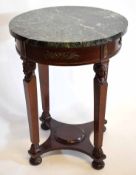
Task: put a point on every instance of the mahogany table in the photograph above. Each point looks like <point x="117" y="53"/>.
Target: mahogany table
<point x="66" y="36"/>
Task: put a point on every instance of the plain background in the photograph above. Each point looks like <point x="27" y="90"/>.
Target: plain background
<point x="71" y="97"/>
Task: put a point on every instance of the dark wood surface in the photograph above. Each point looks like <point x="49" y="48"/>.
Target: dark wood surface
<point x="67" y="56"/>
<point x="32" y="112"/>
<point x="84" y="145"/>
<point x="32" y="109"/>
<point x="65" y="136"/>
<point x="44" y="85"/>
<point x="100" y="93"/>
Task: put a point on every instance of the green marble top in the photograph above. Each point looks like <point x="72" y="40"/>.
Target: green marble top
<point x="69" y="26"/>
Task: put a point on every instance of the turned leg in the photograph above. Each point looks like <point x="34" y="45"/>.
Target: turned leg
<point x="32" y="110"/>
<point x="44" y="85"/>
<point x="100" y="92"/>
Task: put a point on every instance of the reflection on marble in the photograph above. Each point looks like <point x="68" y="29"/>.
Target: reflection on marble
<point x="69" y="26"/>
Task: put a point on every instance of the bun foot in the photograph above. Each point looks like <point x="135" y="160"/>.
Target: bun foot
<point x="44" y="126"/>
<point x="98" y="165"/>
<point x="98" y="156"/>
<point x="45" y="119"/>
<point x="34" y="152"/>
<point x="35" y="161"/>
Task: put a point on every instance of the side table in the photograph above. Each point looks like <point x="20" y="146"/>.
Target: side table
<point x="66" y="36"/>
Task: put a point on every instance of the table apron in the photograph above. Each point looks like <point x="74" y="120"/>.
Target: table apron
<point x="67" y="56"/>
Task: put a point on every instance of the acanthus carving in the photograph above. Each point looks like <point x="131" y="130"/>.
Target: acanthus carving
<point x="101" y="70"/>
<point x="28" y="69"/>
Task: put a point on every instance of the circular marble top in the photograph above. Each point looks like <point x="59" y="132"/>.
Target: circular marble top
<point x="69" y="26"/>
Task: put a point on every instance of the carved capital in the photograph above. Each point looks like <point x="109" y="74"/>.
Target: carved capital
<point x="101" y="70"/>
<point x="28" y="69"/>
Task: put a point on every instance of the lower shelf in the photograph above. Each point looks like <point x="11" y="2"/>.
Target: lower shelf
<point x="67" y="136"/>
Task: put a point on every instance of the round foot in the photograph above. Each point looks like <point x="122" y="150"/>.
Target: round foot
<point x="35" y="161"/>
<point x="44" y="126"/>
<point x="98" y="164"/>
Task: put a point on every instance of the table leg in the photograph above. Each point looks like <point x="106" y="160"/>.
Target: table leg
<point x="100" y="93"/>
<point x="44" y="85"/>
<point x="32" y="110"/>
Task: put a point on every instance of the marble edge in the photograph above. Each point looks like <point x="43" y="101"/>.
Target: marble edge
<point x="67" y="44"/>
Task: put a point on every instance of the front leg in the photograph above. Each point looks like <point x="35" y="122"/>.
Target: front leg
<point x="100" y="93"/>
<point x="32" y="110"/>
